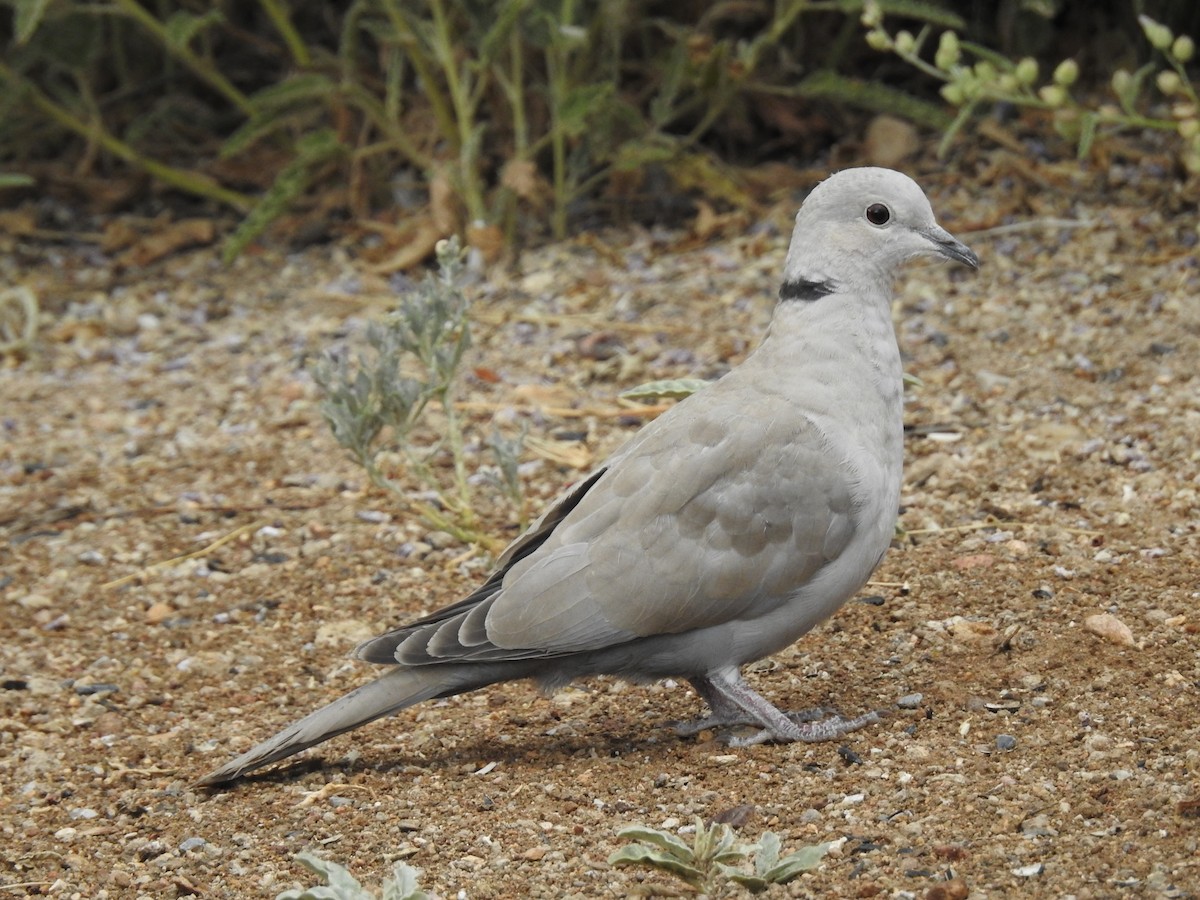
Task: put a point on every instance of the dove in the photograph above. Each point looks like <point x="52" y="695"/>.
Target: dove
<point x="723" y="530"/>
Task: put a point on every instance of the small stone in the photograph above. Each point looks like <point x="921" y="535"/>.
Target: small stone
<point x="1109" y="628"/>
<point x="158" y="613"/>
<point x="1005" y="742"/>
<point x="1029" y="871"/>
<point x="889" y="141"/>
<point x="974" y="561"/>
<point x="86" y="690"/>
<point x="533" y="854"/>
<point x="83" y="813"/>
<point x="192" y="843"/>
<point x="910" y="701"/>
<point x="441" y="540"/>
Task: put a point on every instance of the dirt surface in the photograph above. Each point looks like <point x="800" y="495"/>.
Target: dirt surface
<point x="187" y="558"/>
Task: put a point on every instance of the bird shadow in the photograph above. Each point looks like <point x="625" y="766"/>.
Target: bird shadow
<point x="531" y="748"/>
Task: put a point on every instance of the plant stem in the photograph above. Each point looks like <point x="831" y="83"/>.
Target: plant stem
<point x="191" y="182"/>
<point x="277" y="11"/>
<point x="420" y="63"/>
<point x="465" y="105"/>
<point x="199" y="66"/>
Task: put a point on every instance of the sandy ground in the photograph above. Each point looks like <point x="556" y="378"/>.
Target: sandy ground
<point x="1053" y="477"/>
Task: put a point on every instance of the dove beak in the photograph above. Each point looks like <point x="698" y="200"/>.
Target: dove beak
<point x="950" y="247"/>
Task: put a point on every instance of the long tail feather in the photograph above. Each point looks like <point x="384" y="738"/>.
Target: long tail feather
<point x="398" y="689"/>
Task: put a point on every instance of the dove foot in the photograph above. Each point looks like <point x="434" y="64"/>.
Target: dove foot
<point x="734" y="703"/>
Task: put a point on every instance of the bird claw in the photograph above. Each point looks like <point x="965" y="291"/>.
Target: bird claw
<point x="691" y="727"/>
<point x="806" y="727"/>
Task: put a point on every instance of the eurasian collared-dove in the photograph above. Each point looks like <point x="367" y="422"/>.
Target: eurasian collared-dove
<point x="723" y="530"/>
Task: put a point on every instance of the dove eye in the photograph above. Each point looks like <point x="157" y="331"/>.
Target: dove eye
<point x="878" y="214"/>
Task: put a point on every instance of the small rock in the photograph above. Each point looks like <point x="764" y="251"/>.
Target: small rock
<point x="441" y="540"/>
<point x="192" y="843"/>
<point x="910" y="701"/>
<point x="158" y="613"/>
<point x="83" y="813"/>
<point x="86" y="690"/>
<point x="535" y="853"/>
<point x="1005" y="742"/>
<point x="1029" y="871"/>
<point x="889" y="141"/>
<point x="1109" y="628"/>
<point x="974" y="561"/>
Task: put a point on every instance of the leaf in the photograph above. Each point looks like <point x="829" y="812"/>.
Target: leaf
<point x="768" y="853"/>
<point x="703" y="173"/>
<point x="27" y="17"/>
<point x="293" y="90"/>
<point x="641" y="855"/>
<point x="924" y="12"/>
<point x="752" y="883"/>
<point x="870" y="95"/>
<point x="794" y="863"/>
<point x="403" y="884"/>
<point x="636" y="154"/>
<point x="16" y="179"/>
<point x="667" y="389"/>
<point x="1087" y="133"/>
<point x="181" y="27"/>
<point x="663" y="839"/>
<point x="341" y="885"/>
<point x="580" y="104"/>
<point x="292" y="181"/>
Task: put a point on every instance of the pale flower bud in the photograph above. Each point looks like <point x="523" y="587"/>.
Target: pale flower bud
<point x="1168" y="82"/>
<point x="1122" y="82"/>
<point x="879" y="40"/>
<point x="1053" y="95"/>
<point x="948" y="51"/>
<point x="1159" y="36"/>
<point x="953" y="93"/>
<point x="1067" y="73"/>
<point x="1027" y="71"/>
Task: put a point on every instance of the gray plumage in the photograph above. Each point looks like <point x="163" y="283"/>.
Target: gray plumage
<point x="723" y="530"/>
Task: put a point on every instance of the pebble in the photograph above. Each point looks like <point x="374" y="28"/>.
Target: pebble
<point x="158" y="613"/>
<point x="85" y="690"/>
<point x="1110" y="628"/>
<point x="1029" y="871"/>
<point x="83" y="813"/>
<point x="192" y="843"/>
<point x="1005" y="742"/>
<point x="910" y="701"/>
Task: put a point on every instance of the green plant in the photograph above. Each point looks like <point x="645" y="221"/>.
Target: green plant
<point x="341" y="885"/>
<point x="514" y="104"/>
<point x="713" y="859"/>
<point x="974" y="75"/>
<point x="374" y="407"/>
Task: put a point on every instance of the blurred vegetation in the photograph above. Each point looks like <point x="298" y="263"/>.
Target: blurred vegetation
<point x="497" y="116"/>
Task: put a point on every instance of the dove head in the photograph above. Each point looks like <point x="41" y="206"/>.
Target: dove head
<point x="861" y="224"/>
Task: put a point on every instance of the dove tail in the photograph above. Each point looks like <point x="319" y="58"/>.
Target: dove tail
<point x="390" y="693"/>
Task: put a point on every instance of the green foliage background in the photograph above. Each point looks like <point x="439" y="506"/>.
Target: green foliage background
<point x="524" y="110"/>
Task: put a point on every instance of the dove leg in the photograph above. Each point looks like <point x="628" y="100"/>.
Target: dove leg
<point x="722" y="711"/>
<point x="733" y="702"/>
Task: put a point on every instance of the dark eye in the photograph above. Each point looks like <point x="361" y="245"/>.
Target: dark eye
<point x="878" y="214"/>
